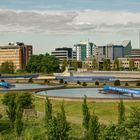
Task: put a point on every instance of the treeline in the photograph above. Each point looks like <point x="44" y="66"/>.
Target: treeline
<point x="57" y="127"/>
<point x="43" y="64"/>
<point x="37" y="64"/>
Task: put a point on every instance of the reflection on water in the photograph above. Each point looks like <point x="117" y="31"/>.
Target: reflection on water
<point x="80" y="92"/>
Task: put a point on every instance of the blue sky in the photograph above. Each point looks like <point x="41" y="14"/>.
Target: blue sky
<point x="57" y="23"/>
<point x="130" y="5"/>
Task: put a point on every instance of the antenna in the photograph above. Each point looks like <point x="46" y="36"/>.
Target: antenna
<point x="139" y="38"/>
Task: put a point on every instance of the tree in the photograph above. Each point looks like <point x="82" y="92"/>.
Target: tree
<point x="57" y="126"/>
<point x="110" y="133"/>
<point x="25" y="100"/>
<point x="18" y="121"/>
<point x="94" y="128"/>
<point x="42" y="63"/>
<point x="126" y="84"/>
<point x="10" y="101"/>
<point x="132" y="124"/>
<point x="131" y="65"/>
<point x="117" y="83"/>
<point x="106" y="64"/>
<point x="7" y="67"/>
<point x="94" y="64"/>
<point x="74" y="64"/>
<point x="121" y="65"/>
<point x="97" y="83"/>
<point x="64" y="65"/>
<point x="48" y="111"/>
<point x="121" y="112"/>
<point x="84" y="84"/>
<point x="63" y="126"/>
<point x="116" y="65"/>
<point x="86" y="114"/>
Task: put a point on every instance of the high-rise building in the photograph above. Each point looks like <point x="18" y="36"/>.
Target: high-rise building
<point x="18" y="53"/>
<point x="109" y="52"/>
<point x="114" y="51"/>
<point x="64" y="53"/>
<point x="127" y="47"/>
<point x="84" y="50"/>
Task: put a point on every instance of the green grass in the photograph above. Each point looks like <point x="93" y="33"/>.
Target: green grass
<point x="106" y="111"/>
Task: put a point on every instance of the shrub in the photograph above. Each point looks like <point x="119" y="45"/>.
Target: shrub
<point x="96" y="83"/>
<point x="126" y="84"/>
<point x="61" y="81"/>
<point x="84" y="84"/>
<point x="2" y="80"/>
<point x="30" y="80"/>
<point x="78" y="82"/>
<point x="117" y="83"/>
<point x="48" y="82"/>
<point x="0" y="116"/>
<point x="138" y="84"/>
<point x="104" y="84"/>
<point x="65" y="83"/>
<point x="45" y="81"/>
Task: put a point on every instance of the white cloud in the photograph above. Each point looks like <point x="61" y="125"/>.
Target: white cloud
<point x="68" y="22"/>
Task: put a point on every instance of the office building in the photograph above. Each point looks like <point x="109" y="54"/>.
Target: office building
<point x="110" y="51"/>
<point x="18" y="53"/>
<point x="84" y="50"/>
<point x="64" y="53"/>
<point x="135" y="53"/>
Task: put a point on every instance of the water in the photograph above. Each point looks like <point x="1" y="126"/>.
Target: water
<point x="26" y="86"/>
<point x="80" y="92"/>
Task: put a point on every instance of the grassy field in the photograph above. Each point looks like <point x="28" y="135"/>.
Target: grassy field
<point x="106" y="111"/>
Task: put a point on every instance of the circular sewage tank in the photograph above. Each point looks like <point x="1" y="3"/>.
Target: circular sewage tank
<point x="80" y="93"/>
<point x="65" y="93"/>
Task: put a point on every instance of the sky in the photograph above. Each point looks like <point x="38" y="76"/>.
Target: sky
<point x="48" y="24"/>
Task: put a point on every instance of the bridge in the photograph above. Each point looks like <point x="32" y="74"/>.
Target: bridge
<point x="122" y="90"/>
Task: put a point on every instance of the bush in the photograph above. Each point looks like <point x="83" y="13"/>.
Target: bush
<point x="96" y="83"/>
<point x="126" y="84"/>
<point x="65" y="83"/>
<point x="48" y="82"/>
<point x="117" y="83"/>
<point x="45" y="81"/>
<point x="30" y="80"/>
<point x="61" y="81"/>
<point x="78" y="82"/>
<point x="138" y="84"/>
<point x="104" y="84"/>
<point x="0" y="115"/>
<point x="84" y="84"/>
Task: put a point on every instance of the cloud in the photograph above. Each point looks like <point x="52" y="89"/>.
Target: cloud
<point x="68" y="22"/>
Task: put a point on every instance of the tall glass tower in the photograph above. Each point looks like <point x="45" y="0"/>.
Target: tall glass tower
<point x="84" y="50"/>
